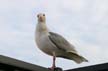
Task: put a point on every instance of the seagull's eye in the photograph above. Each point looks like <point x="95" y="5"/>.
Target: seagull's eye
<point x="37" y="15"/>
<point x="43" y="14"/>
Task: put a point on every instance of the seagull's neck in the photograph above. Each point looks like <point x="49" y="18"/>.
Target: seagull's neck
<point x="41" y="27"/>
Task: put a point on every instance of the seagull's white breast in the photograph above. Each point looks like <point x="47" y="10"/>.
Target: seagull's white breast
<point x="44" y="43"/>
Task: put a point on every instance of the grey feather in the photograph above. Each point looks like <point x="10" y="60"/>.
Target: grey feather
<point x="61" y="43"/>
<point x="64" y="45"/>
<point x="73" y="56"/>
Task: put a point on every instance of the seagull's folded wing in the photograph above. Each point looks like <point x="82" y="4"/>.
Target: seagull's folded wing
<point x="65" y="46"/>
<point x="61" y="43"/>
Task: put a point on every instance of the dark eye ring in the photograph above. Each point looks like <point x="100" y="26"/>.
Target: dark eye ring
<point x="43" y="14"/>
<point x="37" y="15"/>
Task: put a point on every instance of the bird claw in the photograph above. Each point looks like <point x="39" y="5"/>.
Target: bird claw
<point x="52" y="68"/>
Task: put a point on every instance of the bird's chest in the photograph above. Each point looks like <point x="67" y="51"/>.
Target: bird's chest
<point x="45" y="44"/>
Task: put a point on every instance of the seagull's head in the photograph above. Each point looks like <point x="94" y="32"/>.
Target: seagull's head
<point x="41" y="17"/>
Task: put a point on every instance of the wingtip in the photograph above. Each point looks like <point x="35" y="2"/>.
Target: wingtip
<point x="86" y="60"/>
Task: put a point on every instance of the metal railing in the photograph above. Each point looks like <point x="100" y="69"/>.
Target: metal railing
<point x="11" y="64"/>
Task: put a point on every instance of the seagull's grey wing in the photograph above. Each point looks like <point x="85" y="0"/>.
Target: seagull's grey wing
<point x="61" y="43"/>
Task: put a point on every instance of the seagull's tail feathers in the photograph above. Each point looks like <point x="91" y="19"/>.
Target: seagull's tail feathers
<point x="74" y="56"/>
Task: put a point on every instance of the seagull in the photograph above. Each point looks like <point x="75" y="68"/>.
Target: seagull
<point x="54" y="44"/>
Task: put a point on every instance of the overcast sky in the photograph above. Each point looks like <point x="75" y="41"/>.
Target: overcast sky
<point x="82" y="22"/>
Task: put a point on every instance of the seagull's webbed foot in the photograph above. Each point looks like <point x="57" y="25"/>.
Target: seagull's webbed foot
<point x="55" y="69"/>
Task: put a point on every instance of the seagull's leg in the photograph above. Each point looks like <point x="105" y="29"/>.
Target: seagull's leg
<point x="54" y="59"/>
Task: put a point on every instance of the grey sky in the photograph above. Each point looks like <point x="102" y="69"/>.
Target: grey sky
<point x="82" y="22"/>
